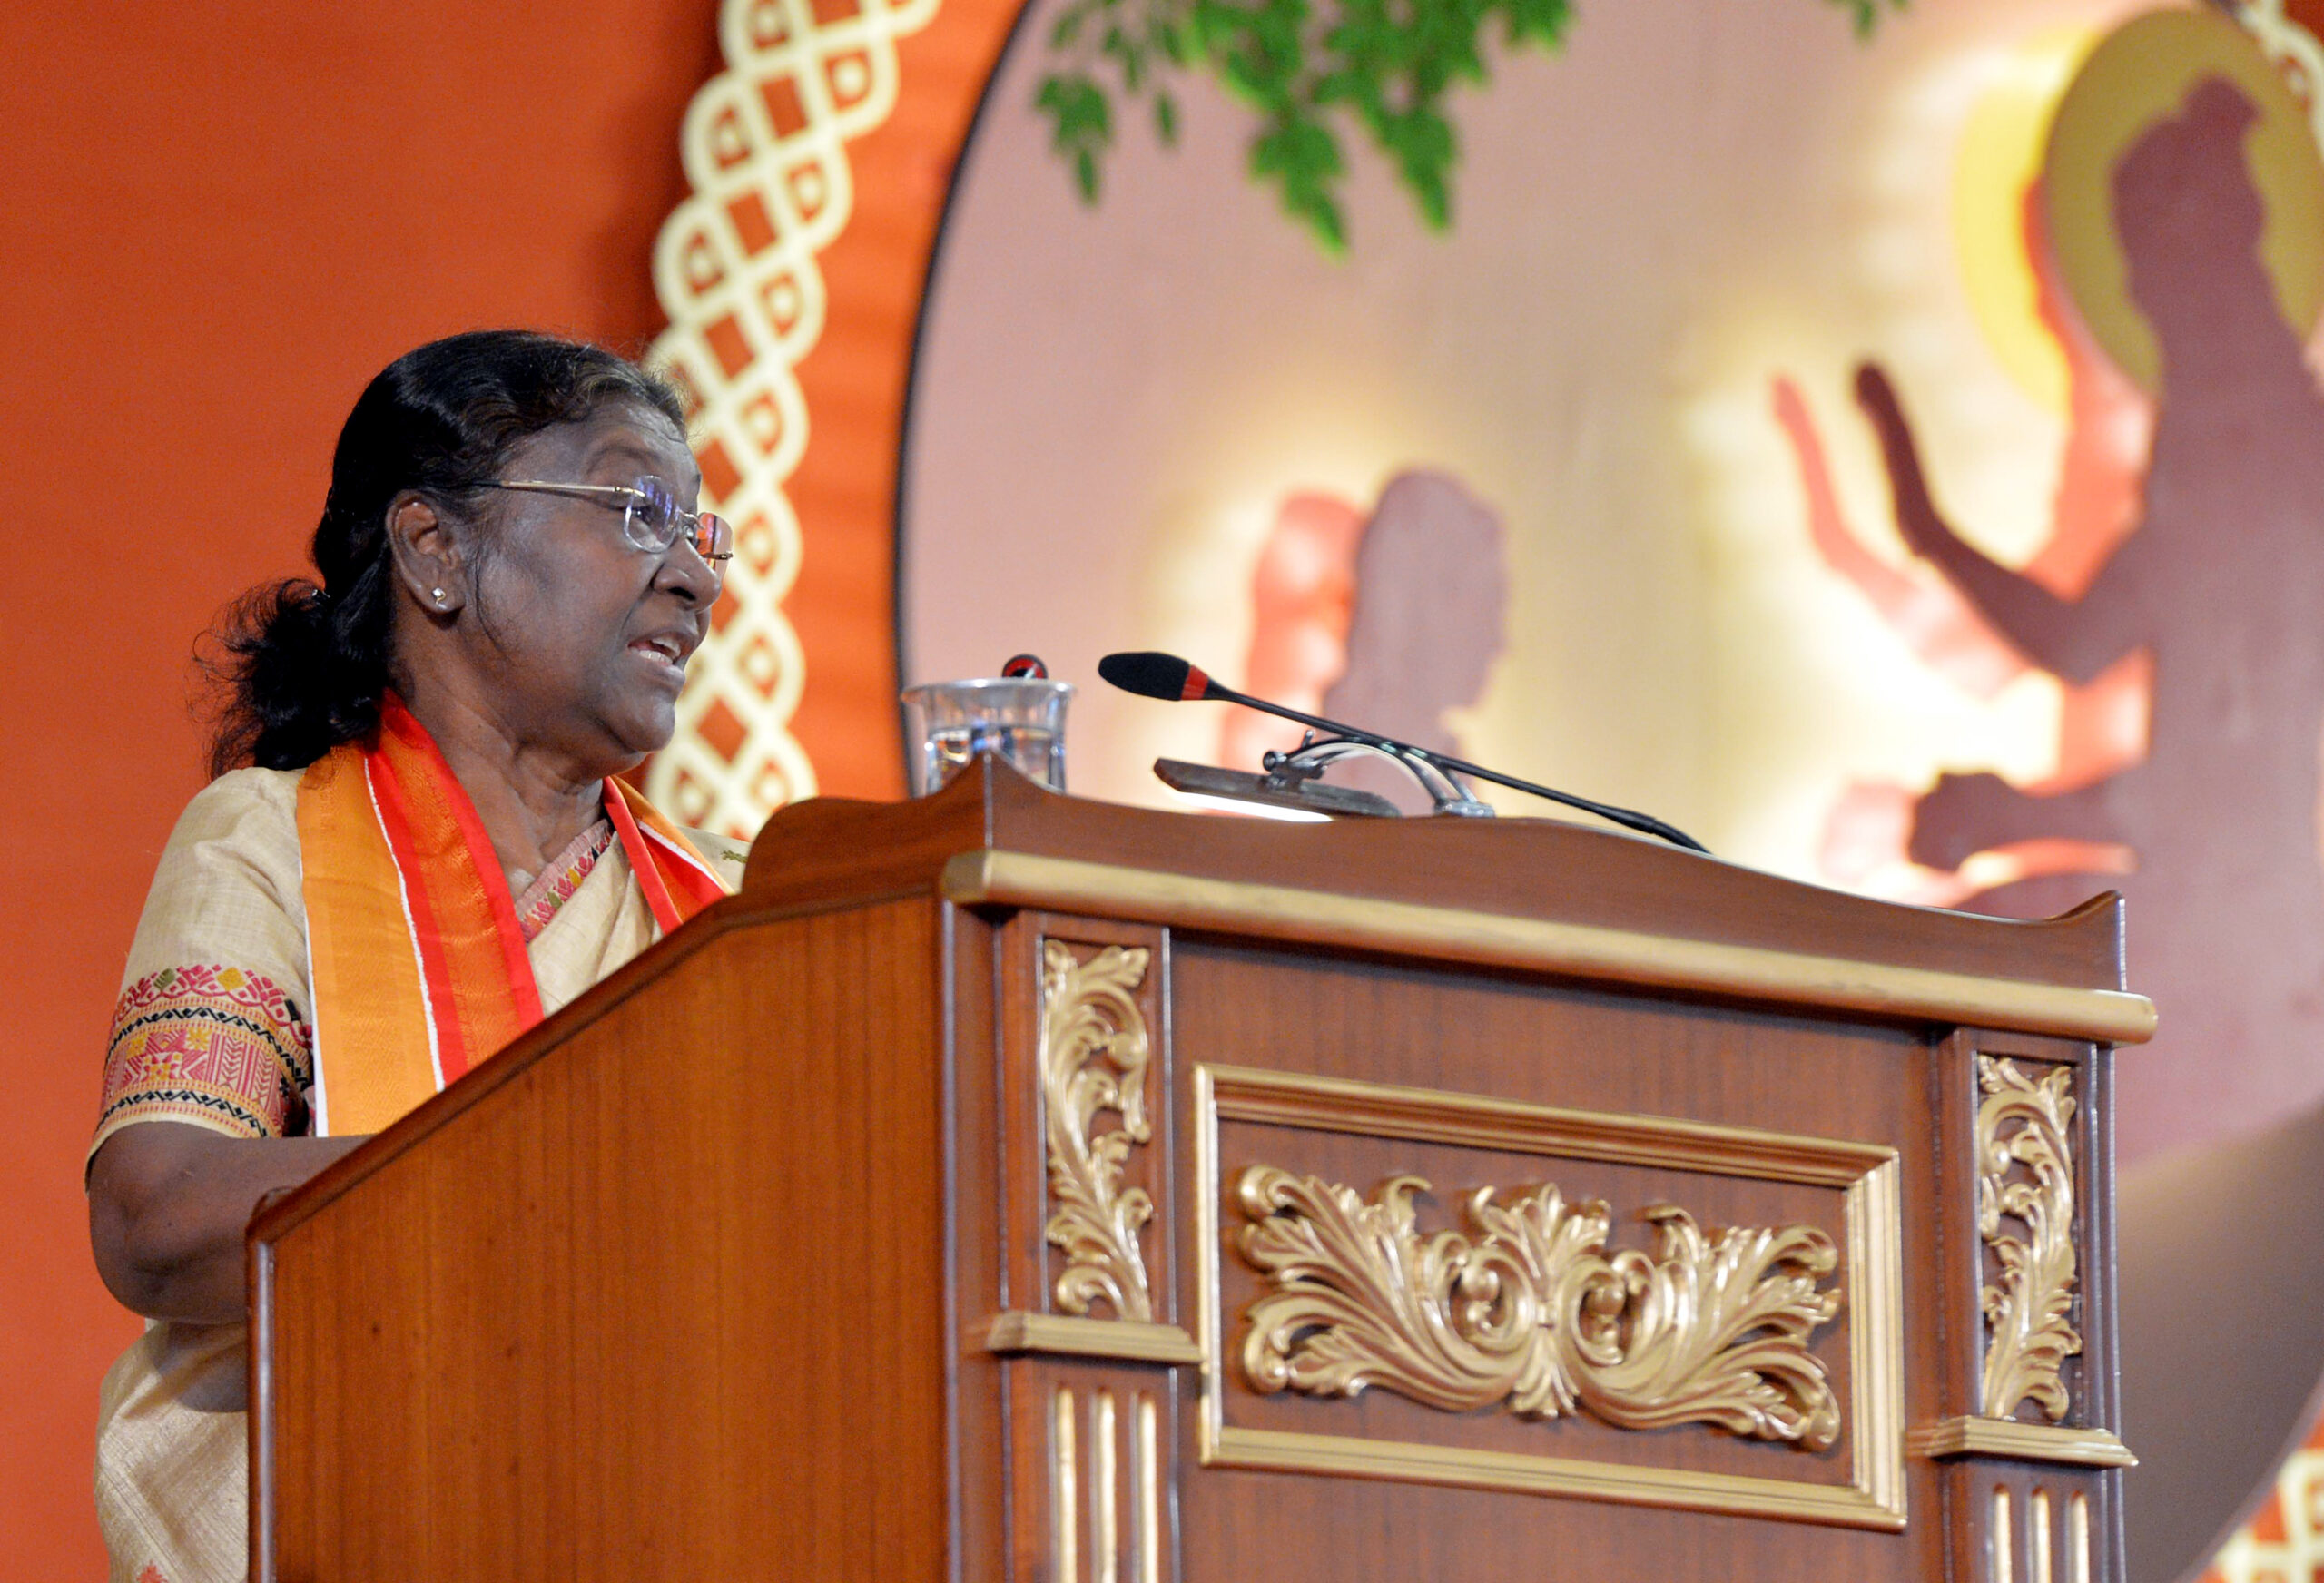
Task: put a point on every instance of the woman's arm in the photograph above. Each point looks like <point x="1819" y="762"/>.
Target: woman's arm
<point x="168" y="1205"/>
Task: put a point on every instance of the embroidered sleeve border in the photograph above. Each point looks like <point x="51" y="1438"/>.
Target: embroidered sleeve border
<point x="217" y="1046"/>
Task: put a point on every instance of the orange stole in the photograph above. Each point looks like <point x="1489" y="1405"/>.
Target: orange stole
<point x="417" y="964"/>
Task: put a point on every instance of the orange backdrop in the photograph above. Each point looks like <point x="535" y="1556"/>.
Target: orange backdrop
<point x="221" y="221"/>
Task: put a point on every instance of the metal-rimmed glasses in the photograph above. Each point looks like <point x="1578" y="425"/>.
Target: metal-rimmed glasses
<point x="651" y="519"/>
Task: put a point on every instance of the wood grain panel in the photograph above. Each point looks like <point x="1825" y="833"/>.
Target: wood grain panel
<point x="695" y="1227"/>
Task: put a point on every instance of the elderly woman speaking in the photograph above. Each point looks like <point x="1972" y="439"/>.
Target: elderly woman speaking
<point x="426" y="853"/>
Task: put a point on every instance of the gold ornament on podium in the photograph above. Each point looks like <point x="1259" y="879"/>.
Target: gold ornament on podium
<point x="1534" y="1315"/>
<point x="2023" y="1121"/>
<point x="1094" y="1055"/>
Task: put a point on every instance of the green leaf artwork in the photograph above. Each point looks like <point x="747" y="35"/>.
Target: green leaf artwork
<point x="1306" y="67"/>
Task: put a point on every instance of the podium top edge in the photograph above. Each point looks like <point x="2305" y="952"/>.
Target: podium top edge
<point x="827" y="851"/>
<point x="1644" y="961"/>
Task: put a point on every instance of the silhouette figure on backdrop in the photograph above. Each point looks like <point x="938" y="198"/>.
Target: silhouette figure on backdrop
<point x="2102" y="724"/>
<point x="1388" y="628"/>
<point x="2222" y="583"/>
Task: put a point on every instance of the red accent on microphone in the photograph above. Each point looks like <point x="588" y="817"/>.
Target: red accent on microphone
<point x="1197" y="685"/>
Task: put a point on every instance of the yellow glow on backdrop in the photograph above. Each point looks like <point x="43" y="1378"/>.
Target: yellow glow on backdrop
<point x="2141" y="72"/>
<point x="1992" y="436"/>
<point x="2000" y="155"/>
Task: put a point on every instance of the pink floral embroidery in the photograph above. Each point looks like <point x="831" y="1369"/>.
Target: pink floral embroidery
<point x="561" y="878"/>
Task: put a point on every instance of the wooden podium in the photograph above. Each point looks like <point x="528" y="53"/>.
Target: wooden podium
<point x="1010" y="1186"/>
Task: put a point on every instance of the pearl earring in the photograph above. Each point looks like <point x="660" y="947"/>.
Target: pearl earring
<point x="439" y="594"/>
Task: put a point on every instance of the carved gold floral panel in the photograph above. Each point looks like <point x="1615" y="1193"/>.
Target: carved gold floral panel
<point x="1532" y="1312"/>
<point x="1520" y="1303"/>
<point x="1094" y="1053"/>
<point x="2025" y="1175"/>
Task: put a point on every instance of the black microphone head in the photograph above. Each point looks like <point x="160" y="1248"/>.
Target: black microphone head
<point x="1153" y="675"/>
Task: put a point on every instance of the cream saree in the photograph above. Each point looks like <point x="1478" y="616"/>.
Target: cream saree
<point x="213" y="1029"/>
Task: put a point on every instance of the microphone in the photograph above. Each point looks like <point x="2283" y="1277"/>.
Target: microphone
<point x="1168" y="677"/>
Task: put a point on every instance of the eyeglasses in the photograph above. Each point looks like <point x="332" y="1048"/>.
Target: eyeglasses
<point x="651" y="520"/>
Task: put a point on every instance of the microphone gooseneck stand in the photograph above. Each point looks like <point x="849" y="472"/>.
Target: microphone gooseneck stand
<point x="1173" y="680"/>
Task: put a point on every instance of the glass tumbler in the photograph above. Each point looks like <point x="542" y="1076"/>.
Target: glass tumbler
<point x="948" y="724"/>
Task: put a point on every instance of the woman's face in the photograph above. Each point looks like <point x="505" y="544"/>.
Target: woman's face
<point x="582" y="641"/>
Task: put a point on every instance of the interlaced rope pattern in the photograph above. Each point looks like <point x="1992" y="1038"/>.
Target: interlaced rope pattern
<point x="736" y="269"/>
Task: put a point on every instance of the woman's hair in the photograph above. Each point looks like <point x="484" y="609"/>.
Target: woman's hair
<point x="305" y="665"/>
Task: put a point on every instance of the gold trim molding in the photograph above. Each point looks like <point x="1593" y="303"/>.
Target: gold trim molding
<point x="1094" y="1056"/>
<point x="1059" y="1335"/>
<point x="1615" y="1483"/>
<point x="2024" y="1121"/>
<point x="1532" y="1313"/>
<point x="1099" y="1466"/>
<point x="1065" y="1488"/>
<point x="1347" y="1105"/>
<point x="1866" y="1175"/>
<point x="993" y="878"/>
<point x="2025" y="1442"/>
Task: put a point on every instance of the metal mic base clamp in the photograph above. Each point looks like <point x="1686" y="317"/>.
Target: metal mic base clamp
<point x="1314" y="753"/>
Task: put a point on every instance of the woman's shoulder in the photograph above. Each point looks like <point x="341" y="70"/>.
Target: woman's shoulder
<point x="245" y="823"/>
<point x="225" y="912"/>
<point x="245" y="796"/>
